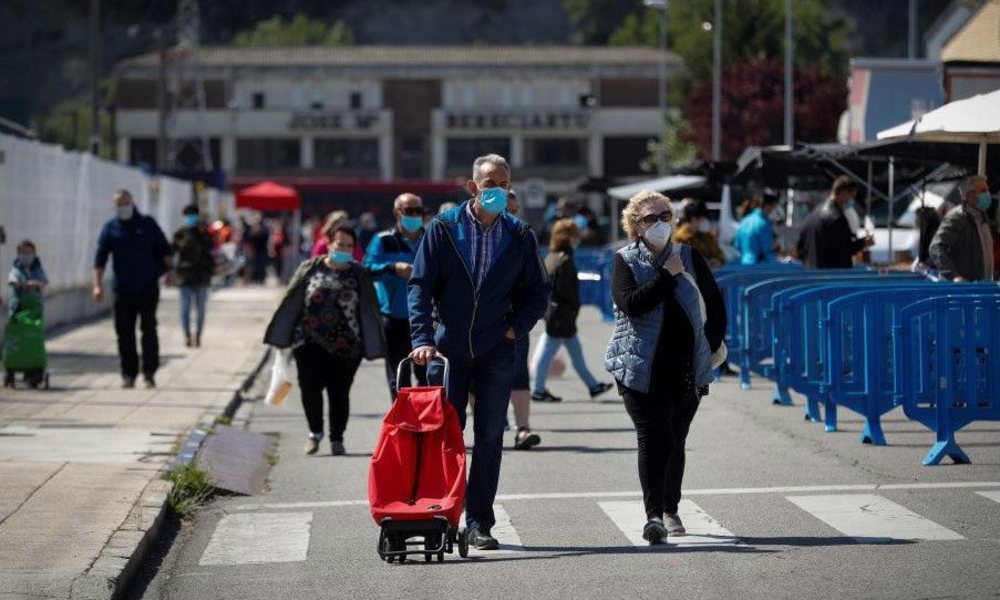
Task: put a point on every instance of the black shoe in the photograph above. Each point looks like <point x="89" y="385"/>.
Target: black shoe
<point x="525" y="439"/>
<point x="654" y="532"/>
<point x="128" y="383"/>
<point x="599" y="389"/>
<point x="481" y="541"/>
<point x="337" y="448"/>
<point x="149" y="381"/>
<point x="545" y="397"/>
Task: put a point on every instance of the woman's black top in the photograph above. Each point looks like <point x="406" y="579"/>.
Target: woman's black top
<point x="674" y="356"/>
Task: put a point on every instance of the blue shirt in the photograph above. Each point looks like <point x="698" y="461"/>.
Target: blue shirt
<point x="483" y="242"/>
<point x="755" y="239"/>
<point x="137" y="248"/>
<point x="384" y="251"/>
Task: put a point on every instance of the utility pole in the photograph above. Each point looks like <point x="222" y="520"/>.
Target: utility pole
<point x="789" y="77"/>
<point x="161" y="102"/>
<point x="95" y="94"/>
<point x="717" y="82"/>
<point x="911" y="46"/>
<point x="662" y="82"/>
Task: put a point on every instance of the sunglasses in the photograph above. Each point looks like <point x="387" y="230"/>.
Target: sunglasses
<point x="651" y="219"/>
<point x="413" y="211"/>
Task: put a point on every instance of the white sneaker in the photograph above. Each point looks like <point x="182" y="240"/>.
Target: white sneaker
<point x="674" y="525"/>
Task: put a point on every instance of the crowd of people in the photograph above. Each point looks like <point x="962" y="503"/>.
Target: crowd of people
<point x="470" y="283"/>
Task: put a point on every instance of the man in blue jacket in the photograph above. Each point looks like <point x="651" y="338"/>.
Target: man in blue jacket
<point x="140" y="253"/>
<point x="480" y="268"/>
<point x="389" y="258"/>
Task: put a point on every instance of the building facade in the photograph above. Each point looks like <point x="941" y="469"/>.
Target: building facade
<point x="385" y="114"/>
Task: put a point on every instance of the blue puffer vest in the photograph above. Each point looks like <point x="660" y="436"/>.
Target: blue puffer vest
<point x="633" y="343"/>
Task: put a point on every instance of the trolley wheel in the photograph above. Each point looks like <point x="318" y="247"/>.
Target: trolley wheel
<point x="463" y="543"/>
<point x="386" y="548"/>
<point x="440" y="556"/>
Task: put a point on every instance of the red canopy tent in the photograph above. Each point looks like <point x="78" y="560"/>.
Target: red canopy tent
<point x="268" y="196"/>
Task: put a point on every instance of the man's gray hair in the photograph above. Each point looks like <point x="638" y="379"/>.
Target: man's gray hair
<point x="122" y="192"/>
<point x="494" y="159"/>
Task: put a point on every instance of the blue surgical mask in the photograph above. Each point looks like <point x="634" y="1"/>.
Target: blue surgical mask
<point x="411" y="224"/>
<point x="191" y="220"/>
<point x="493" y="200"/>
<point x="339" y="257"/>
<point x="581" y="221"/>
<point x="983" y="200"/>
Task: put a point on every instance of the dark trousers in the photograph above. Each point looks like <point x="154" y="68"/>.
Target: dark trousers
<point x="492" y="376"/>
<point x="319" y="370"/>
<point x="398" y="345"/>
<point x="127" y="309"/>
<point x="662" y="421"/>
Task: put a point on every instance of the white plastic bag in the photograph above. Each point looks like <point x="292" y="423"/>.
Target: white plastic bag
<point x="281" y="377"/>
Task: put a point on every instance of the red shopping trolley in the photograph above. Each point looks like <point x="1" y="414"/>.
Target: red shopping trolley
<point x="416" y="485"/>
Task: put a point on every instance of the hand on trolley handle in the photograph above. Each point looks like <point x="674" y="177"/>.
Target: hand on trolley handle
<point x="423" y="355"/>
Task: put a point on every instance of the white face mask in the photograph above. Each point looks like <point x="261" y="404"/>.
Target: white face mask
<point x="125" y="211"/>
<point x="658" y="235"/>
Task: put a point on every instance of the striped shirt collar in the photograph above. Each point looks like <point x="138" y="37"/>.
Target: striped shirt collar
<point x="483" y="243"/>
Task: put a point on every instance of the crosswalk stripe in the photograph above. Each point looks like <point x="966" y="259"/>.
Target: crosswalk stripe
<point x="872" y="518"/>
<point x="503" y="531"/>
<point x="702" y="530"/>
<point x="994" y="496"/>
<point x="246" y="538"/>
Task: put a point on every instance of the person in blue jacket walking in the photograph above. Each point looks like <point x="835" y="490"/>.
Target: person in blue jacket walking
<point x="479" y="266"/>
<point x="389" y="259"/>
<point x="755" y="237"/>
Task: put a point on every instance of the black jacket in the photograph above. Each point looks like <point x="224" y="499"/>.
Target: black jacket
<point x="826" y="241"/>
<point x="564" y="303"/>
<point x="281" y="330"/>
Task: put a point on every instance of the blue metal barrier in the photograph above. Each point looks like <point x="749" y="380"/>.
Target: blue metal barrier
<point x="593" y="268"/>
<point x="757" y="316"/>
<point x="948" y="353"/>
<point x="799" y="340"/>
<point x="860" y="354"/>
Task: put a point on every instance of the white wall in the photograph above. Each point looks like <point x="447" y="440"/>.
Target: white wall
<point x="60" y="200"/>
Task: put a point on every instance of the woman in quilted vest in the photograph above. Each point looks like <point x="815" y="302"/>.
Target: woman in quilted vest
<point x="670" y="323"/>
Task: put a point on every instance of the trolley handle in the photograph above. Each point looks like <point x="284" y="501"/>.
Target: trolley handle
<point x="408" y="360"/>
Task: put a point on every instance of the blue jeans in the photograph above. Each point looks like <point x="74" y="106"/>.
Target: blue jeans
<point x="550" y="345"/>
<point x="492" y="376"/>
<point x="200" y="295"/>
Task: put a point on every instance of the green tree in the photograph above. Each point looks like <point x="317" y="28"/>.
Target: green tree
<point x="751" y="30"/>
<point x="300" y="30"/>
<point x="68" y="124"/>
<point x="593" y="21"/>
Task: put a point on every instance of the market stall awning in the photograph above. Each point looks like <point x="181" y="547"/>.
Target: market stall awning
<point x="268" y="196"/>
<point x="975" y="120"/>
<point x="663" y="185"/>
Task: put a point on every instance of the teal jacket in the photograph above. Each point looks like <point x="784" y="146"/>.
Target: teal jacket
<point x="755" y="239"/>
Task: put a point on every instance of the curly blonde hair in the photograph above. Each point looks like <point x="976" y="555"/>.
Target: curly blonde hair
<point x="630" y="214"/>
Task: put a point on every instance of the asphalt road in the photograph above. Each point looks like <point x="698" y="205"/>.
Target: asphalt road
<point x="786" y="510"/>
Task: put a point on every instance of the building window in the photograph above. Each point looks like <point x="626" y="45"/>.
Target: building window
<point x="346" y="153"/>
<point x="555" y="152"/>
<point x="267" y="154"/>
<point x="462" y="151"/>
<point x="258" y="100"/>
<point x="623" y="155"/>
<point x="355" y="100"/>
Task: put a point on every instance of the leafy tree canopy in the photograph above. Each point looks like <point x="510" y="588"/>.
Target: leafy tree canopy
<point x="300" y="30"/>
<point x="751" y="30"/>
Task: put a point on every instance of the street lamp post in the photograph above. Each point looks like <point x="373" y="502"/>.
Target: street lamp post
<point x="789" y="82"/>
<point x="717" y="82"/>
<point x="662" y="97"/>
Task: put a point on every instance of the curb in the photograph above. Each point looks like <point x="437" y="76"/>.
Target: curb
<point x="115" y="569"/>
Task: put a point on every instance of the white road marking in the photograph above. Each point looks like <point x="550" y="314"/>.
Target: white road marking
<point x="994" y="496"/>
<point x="246" y="538"/>
<point x="803" y="489"/>
<point x="702" y="529"/>
<point x="872" y="518"/>
<point x="503" y="531"/>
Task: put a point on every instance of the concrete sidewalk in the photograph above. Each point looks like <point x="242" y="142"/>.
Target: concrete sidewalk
<point x="81" y="463"/>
